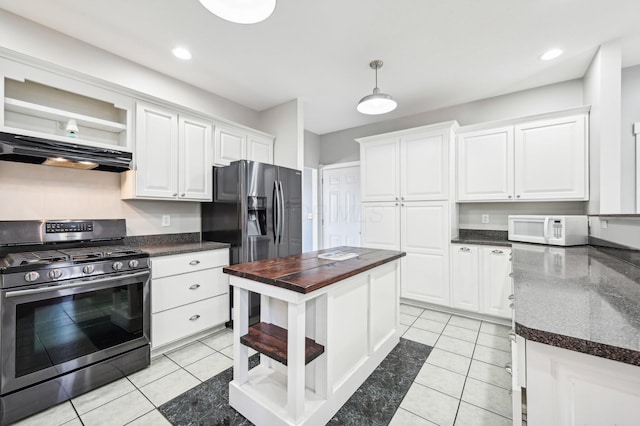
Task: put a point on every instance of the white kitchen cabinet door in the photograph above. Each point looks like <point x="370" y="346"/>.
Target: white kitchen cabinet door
<point x="379" y="170"/>
<point x="423" y="165"/>
<point x="496" y="283"/>
<point x="195" y="168"/>
<point x="156" y="152"/>
<point x="465" y="277"/>
<point x="260" y="149"/>
<point x="485" y="165"/>
<point x="570" y="388"/>
<point x="551" y="159"/>
<point x="380" y="226"/>
<point x="424" y="231"/>
<point x="230" y="145"/>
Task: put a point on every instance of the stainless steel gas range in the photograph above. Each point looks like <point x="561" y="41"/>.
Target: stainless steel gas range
<point x="74" y="311"/>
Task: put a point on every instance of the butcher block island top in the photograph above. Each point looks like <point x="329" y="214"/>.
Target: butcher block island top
<point x="307" y="272"/>
<point x="327" y="320"/>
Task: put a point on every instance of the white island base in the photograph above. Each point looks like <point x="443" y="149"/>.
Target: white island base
<point x="357" y="322"/>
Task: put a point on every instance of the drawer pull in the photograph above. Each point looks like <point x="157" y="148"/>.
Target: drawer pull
<point x="512" y="336"/>
<point x="194" y="262"/>
<point x="512" y="297"/>
<point x="195" y="317"/>
<point x="497" y="251"/>
<point x="511" y="305"/>
<point x="465" y="249"/>
<point x="194" y="287"/>
<point x="508" y="368"/>
<point x="510" y="274"/>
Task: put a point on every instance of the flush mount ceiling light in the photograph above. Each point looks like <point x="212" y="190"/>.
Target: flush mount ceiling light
<point x="241" y="11"/>
<point x="551" y="54"/>
<point x="376" y="103"/>
<point x="181" y="53"/>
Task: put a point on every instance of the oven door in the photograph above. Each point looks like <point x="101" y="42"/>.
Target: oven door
<point x="49" y="331"/>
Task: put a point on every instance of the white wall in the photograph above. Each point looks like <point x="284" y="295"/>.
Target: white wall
<point x="311" y="149"/>
<point x="630" y="115"/>
<point x="620" y="230"/>
<point x="340" y="146"/>
<point x="32" y="192"/>
<point x="470" y="214"/>
<point x="286" y="121"/>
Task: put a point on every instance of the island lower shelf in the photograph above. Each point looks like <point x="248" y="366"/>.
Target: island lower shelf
<point x="271" y="340"/>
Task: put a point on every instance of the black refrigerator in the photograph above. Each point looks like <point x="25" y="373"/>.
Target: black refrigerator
<point x="257" y="208"/>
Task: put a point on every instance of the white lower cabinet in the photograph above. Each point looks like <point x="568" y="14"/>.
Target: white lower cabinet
<point x="569" y="388"/>
<point x="480" y="279"/>
<point x="189" y="295"/>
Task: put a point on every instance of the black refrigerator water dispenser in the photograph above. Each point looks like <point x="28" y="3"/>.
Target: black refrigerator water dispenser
<point x="256" y="215"/>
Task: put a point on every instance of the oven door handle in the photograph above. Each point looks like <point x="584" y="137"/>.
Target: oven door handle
<point x="40" y="290"/>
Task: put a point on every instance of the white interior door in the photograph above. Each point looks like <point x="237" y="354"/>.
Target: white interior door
<point x="341" y="205"/>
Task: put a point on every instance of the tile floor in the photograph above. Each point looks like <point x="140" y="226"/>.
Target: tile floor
<point x="462" y="382"/>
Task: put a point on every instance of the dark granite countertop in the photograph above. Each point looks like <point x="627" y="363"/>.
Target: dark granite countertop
<point x="585" y="299"/>
<point x="306" y="272"/>
<point x="482" y="237"/>
<point x="169" y="244"/>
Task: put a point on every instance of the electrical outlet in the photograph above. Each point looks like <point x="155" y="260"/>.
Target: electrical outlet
<point x="166" y="220"/>
<point x="485" y="218"/>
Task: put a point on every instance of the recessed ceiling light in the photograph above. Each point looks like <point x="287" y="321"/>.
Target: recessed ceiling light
<point x="551" y="54"/>
<point x="181" y="53"/>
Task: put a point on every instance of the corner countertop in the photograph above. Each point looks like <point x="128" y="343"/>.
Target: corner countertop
<point x="304" y="273"/>
<point x="170" y="244"/>
<point x="585" y="299"/>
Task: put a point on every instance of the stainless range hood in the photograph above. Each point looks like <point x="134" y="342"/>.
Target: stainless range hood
<point x="28" y="149"/>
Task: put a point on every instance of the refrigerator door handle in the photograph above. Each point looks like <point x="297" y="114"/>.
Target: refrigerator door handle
<point x="276" y="208"/>
<point x="281" y="215"/>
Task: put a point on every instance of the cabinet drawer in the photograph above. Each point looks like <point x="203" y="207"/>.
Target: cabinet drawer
<point x="178" y="290"/>
<point x="181" y="322"/>
<point x="188" y="262"/>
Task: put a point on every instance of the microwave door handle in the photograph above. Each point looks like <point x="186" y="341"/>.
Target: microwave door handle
<point x="545" y="232"/>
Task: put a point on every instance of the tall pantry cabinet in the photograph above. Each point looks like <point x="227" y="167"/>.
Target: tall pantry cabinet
<point x="405" y="178"/>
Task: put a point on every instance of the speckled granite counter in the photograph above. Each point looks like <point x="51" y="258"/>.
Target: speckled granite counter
<point x="168" y="244"/>
<point x="482" y="237"/>
<point x="578" y="298"/>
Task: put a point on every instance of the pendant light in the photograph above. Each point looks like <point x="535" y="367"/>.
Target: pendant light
<point x="376" y="103"/>
<point x="241" y="11"/>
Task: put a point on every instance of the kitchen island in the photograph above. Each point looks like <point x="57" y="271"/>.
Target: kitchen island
<point x="325" y="325"/>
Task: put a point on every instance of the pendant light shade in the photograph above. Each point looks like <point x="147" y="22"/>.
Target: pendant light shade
<point x="376" y="103"/>
<point x="241" y="11"/>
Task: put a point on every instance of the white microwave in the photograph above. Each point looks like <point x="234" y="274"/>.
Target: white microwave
<point x="552" y="230"/>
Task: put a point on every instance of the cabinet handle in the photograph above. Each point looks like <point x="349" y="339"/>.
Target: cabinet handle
<point x="510" y="274"/>
<point x="182" y="195"/>
<point x="396" y="204"/>
<point x="195" y="317"/>
<point x="510" y="196"/>
<point x="497" y="251"/>
<point x="175" y="194"/>
<point x="517" y="196"/>
<point x="511" y="305"/>
<point x="401" y="204"/>
<point x="396" y="198"/>
<point x="402" y="198"/>
<point x="465" y="249"/>
<point x="508" y="368"/>
<point x="512" y="297"/>
<point x="194" y="262"/>
<point x="512" y="336"/>
<point x="194" y="287"/>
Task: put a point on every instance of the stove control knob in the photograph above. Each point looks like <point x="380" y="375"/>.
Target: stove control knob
<point x="54" y="274"/>
<point x="133" y="263"/>
<point x="88" y="269"/>
<point x="31" y="276"/>
<point x="117" y="266"/>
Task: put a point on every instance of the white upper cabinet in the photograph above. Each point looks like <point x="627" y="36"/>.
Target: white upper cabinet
<point x="379" y="174"/>
<point x="233" y="144"/>
<point x="172" y="156"/>
<point x="535" y="159"/>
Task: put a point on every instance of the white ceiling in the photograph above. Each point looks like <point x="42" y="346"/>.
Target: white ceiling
<point x="436" y="53"/>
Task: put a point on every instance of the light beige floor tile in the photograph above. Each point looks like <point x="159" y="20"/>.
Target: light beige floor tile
<point x="405" y="418"/>
<point x="411" y="310"/>
<point x="168" y="387"/>
<point x="470" y="323"/>
<point x="407" y="319"/>
<point x="219" y="340"/>
<point x="107" y="393"/>
<point x="441" y="380"/>
<point x="454" y="362"/>
<point x="403" y="329"/>
<point x="496" y="329"/>
<point x="489" y="397"/>
<point x="435" y="315"/>
<point x="490" y="373"/>
<point x="470" y="415"/>
<point x="454" y="345"/>
<point x="190" y="353"/>
<point x="429" y="325"/>
<point x="55" y="415"/>
<point x="74" y="422"/>
<point x="491" y="356"/>
<point x="430" y="404"/>
<point x="208" y="367"/>
<point x="152" y="418"/>
<point x="460" y="333"/>
<point x="160" y="367"/>
<point x="421" y="336"/>
<point x="228" y="351"/>
<point x="119" y="411"/>
<point x="494" y="341"/>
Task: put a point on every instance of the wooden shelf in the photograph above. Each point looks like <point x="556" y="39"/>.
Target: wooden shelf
<point x="22" y="107"/>
<point x="271" y="340"/>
